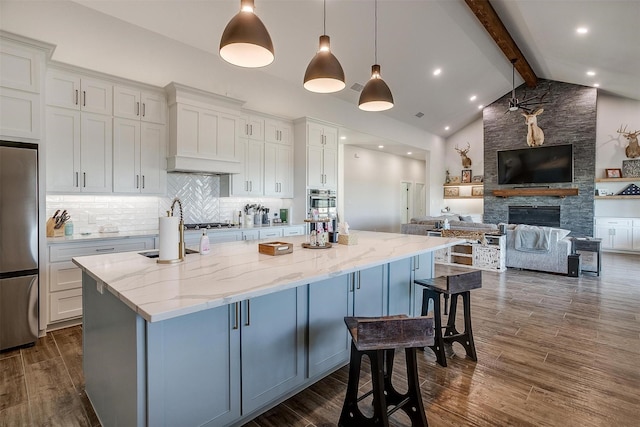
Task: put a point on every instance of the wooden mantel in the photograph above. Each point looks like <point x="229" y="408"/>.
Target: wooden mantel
<point x="529" y="192"/>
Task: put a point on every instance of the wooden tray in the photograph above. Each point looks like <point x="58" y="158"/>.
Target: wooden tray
<point x="275" y="248"/>
<point x="308" y="246"/>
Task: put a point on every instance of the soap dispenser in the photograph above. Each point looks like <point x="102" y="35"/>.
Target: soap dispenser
<point x="204" y="243"/>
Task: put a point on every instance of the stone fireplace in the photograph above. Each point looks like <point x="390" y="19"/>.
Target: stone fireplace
<point x="569" y="117"/>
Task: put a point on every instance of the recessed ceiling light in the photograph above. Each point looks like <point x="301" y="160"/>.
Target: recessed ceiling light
<point x="582" y="30"/>
<point x="473" y="98"/>
<point x="437" y="71"/>
<point x="596" y="85"/>
<point x="446" y="128"/>
<point x="380" y="146"/>
<point x="343" y="137"/>
<point x="591" y="73"/>
<point x="480" y="107"/>
<point x="409" y="153"/>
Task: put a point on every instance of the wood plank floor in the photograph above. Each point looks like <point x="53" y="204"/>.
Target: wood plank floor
<point x="552" y="351"/>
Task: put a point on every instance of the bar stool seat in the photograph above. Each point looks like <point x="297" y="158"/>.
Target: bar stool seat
<point x="453" y="282"/>
<point x="377" y="338"/>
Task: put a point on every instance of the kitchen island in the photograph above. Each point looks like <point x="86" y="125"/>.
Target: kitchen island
<point x="219" y="338"/>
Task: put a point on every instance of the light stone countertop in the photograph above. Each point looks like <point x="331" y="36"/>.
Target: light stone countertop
<point x="236" y="271"/>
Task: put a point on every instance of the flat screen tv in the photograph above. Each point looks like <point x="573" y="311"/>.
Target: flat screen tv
<point x="539" y="165"/>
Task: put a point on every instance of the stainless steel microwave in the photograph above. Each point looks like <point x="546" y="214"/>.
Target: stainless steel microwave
<point x="323" y="201"/>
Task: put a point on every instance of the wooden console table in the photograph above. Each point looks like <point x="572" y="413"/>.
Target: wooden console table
<point x="553" y="192"/>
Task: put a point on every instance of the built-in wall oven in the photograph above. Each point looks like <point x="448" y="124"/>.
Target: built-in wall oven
<point x="324" y="202"/>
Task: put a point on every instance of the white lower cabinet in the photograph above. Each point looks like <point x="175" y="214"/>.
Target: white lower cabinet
<point x="616" y="233"/>
<point x="270" y="233"/>
<point x="65" y="279"/>
<point x="636" y="234"/>
<point x="293" y="231"/>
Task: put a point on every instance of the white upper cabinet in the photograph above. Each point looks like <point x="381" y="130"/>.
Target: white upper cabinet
<point x="322" y="156"/>
<point x="278" y="170"/>
<point x="252" y="127"/>
<point x="79" y="93"/>
<point x="138" y="157"/>
<point x="249" y="182"/>
<point x="79" y="151"/>
<point x="130" y="103"/>
<point x="21" y="78"/>
<point x="278" y="132"/>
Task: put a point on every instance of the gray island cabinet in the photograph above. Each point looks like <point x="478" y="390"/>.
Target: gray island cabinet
<point x="220" y="338"/>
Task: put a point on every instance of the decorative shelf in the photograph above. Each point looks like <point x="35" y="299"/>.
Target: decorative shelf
<point x="634" y="179"/>
<point x="529" y="192"/>
<point x="616" y="197"/>
<point x="464" y="197"/>
<point x="464" y="184"/>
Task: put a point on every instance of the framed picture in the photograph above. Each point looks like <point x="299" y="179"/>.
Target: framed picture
<point x="477" y="191"/>
<point x="478" y="178"/>
<point x="455" y="180"/>
<point x="613" y="173"/>
<point x="466" y="176"/>
<point x="451" y="191"/>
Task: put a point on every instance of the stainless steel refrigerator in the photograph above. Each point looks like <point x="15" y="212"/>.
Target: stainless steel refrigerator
<point x="18" y="244"/>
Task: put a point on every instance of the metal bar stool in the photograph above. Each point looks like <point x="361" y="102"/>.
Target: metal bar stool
<point x="377" y="338"/>
<point x="453" y="282"/>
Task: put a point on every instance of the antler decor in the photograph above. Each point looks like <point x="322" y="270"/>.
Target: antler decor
<point x="633" y="150"/>
<point x="466" y="161"/>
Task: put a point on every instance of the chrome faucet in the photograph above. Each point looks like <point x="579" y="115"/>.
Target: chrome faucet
<point x="181" y="246"/>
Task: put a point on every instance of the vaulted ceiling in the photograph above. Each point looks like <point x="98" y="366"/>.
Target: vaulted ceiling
<point x="416" y="37"/>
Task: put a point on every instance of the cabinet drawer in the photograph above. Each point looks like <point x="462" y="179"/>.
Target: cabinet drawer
<point x="267" y="234"/>
<point x="64" y="252"/>
<point x="293" y="231"/>
<point x="65" y="305"/>
<point x="64" y="276"/>
<point x="616" y="222"/>
<point x="636" y="222"/>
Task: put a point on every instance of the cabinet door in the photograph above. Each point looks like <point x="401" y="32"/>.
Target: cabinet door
<point x="270" y="233"/>
<point x="272" y="342"/>
<point x="315" y="135"/>
<point x="252" y="128"/>
<point x="153" y="158"/>
<point x="188" y="387"/>
<point x="330" y="137"/>
<point x="20" y="67"/>
<point x="227" y="136"/>
<point x="636" y="238"/>
<point x="96" y="96"/>
<point x="293" y="231"/>
<point x="271" y="170"/>
<point x="126" y="156"/>
<point x="19" y="114"/>
<point x="63" y="90"/>
<point x="623" y="238"/>
<point x="96" y="153"/>
<point x="328" y="337"/>
<point x="153" y="108"/>
<point x="63" y="150"/>
<point x="315" y="172"/>
<point x="284" y="171"/>
<point x="250" y="234"/>
<point x="65" y="305"/>
<point x="277" y="132"/>
<point x="239" y="181"/>
<point x="604" y="233"/>
<point x="330" y="168"/>
<point x="369" y="292"/>
<point x="225" y="236"/>
<point x="64" y="276"/>
<point x="400" y="287"/>
<point x="254" y="167"/>
<point x="126" y="103"/>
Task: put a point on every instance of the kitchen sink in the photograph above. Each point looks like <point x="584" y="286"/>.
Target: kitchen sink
<point x="156" y="254"/>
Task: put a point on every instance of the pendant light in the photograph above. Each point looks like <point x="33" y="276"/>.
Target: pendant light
<point x="245" y="41"/>
<point x="324" y="73"/>
<point x="376" y="95"/>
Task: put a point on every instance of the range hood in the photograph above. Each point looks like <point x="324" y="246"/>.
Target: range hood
<point x="203" y="166"/>
<point x="203" y="130"/>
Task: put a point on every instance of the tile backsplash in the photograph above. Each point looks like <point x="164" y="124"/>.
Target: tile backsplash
<point x="199" y="194"/>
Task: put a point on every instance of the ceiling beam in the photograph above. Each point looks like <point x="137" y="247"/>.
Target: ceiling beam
<point x="488" y="17"/>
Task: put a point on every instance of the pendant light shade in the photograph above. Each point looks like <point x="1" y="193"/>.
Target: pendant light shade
<point x="245" y="41"/>
<point x="324" y="73"/>
<point x="376" y="95"/>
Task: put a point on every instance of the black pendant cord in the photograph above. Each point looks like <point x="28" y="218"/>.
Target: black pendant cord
<point x="324" y="14"/>
<point x="513" y="79"/>
<point x="375" y="38"/>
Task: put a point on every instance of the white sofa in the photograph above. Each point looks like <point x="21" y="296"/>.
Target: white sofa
<point x="553" y="261"/>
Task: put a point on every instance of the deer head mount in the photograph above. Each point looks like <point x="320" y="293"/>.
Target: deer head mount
<point x="535" y="136"/>
<point x="633" y="150"/>
<point x="466" y="161"/>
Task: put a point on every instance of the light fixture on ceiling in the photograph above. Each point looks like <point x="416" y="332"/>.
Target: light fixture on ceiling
<point x="473" y="98"/>
<point x="447" y="128"/>
<point x="381" y="146"/>
<point x="437" y="71"/>
<point x="376" y="95"/>
<point x="596" y="85"/>
<point x="324" y="73"/>
<point x="245" y="41"/>
<point x="591" y="73"/>
<point x="582" y="30"/>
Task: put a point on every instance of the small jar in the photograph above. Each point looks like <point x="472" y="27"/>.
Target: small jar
<point x="68" y="228"/>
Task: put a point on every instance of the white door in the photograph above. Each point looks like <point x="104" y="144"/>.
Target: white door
<point x="405" y="202"/>
<point x="419" y="201"/>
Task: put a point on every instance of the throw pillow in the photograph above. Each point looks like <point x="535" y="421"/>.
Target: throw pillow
<point x="466" y="218"/>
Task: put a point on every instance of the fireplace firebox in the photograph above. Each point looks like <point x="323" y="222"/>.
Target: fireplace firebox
<point x="546" y="216"/>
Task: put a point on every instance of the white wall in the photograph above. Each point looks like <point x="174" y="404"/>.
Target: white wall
<point x="95" y="41"/>
<point x="372" y="183"/>
<point x="614" y="111"/>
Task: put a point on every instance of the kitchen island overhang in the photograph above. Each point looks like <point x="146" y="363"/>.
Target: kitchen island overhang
<point x="219" y="339"/>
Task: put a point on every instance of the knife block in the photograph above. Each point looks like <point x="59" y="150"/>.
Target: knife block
<point x="52" y="231"/>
